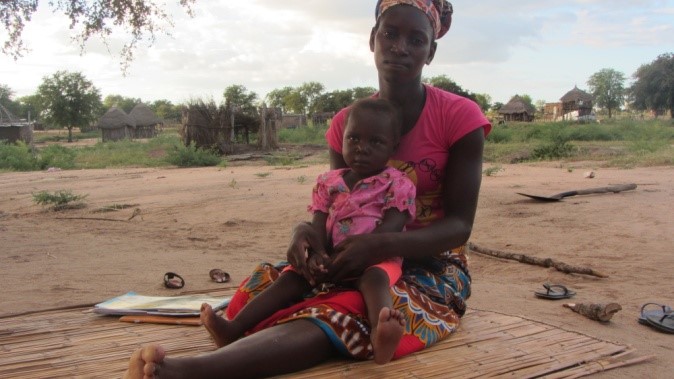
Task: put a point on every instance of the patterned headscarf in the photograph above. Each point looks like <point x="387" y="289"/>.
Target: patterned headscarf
<point x="438" y="11"/>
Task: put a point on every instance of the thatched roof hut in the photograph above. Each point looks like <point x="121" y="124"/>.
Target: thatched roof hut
<point x="577" y="100"/>
<point x="13" y="129"/>
<point x="116" y="125"/>
<point x="146" y="121"/>
<point x="517" y="110"/>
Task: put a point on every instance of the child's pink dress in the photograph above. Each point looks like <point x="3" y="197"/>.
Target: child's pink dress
<point x="361" y="209"/>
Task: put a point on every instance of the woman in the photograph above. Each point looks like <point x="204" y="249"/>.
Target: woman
<point x="441" y="150"/>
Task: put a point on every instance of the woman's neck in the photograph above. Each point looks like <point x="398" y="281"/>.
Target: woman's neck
<point x="409" y="98"/>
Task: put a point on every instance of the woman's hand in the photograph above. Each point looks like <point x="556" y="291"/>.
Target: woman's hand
<point x="356" y="253"/>
<point x="304" y="238"/>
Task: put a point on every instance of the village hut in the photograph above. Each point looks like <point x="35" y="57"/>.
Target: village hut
<point x="146" y="121"/>
<point x="12" y="129"/>
<point x="517" y="110"/>
<point x="576" y="103"/>
<point x="116" y="125"/>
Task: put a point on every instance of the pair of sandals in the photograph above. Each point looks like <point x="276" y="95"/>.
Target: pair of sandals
<point x="657" y="316"/>
<point x="175" y="281"/>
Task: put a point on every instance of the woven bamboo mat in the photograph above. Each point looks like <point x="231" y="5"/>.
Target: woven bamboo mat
<point x="75" y="343"/>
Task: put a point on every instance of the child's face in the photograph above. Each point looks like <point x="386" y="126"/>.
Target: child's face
<point x="369" y="142"/>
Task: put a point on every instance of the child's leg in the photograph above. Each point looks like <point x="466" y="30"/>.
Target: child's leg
<point x="387" y="323"/>
<point x="286" y="290"/>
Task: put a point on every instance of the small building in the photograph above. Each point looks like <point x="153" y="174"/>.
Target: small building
<point x="146" y="121"/>
<point x="12" y="129"/>
<point x="517" y="110"/>
<point x="116" y="125"/>
<point x="576" y="103"/>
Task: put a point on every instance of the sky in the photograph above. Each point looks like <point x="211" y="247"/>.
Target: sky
<point x="540" y="48"/>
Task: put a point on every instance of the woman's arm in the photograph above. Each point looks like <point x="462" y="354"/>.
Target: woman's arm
<point x="463" y="177"/>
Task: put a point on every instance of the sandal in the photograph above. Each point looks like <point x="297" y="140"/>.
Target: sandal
<point x="219" y="276"/>
<point x="555" y="292"/>
<point x="173" y="280"/>
<point x="661" y="318"/>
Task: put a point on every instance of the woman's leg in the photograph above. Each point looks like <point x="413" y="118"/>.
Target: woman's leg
<point x="281" y="349"/>
<point x="287" y="289"/>
<point x="386" y="322"/>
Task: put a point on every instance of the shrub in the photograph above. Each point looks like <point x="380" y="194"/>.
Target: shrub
<point x="61" y="199"/>
<point x="558" y="148"/>
<point x="191" y="156"/>
<point x="17" y="157"/>
<point x="57" y="156"/>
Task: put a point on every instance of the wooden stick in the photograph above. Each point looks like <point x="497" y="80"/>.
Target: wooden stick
<point x="90" y="218"/>
<point x="545" y="262"/>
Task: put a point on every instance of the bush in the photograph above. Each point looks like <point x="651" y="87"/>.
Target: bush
<point x="191" y="156"/>
<point x="57" y="156"/>
<point x="17" y="157"/>
<point x="59" y="200"/>
<point x="558" y="148"/>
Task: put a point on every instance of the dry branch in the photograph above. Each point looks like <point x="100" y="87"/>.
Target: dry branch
<point x="545" y="262"/>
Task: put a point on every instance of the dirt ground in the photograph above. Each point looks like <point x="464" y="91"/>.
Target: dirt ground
<point x="195" y="219"/>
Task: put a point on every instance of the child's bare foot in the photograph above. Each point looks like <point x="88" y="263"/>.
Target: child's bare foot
<point x="145" y="362"/>
<point x="220" y="329"/>
<point x="387" y="334"/>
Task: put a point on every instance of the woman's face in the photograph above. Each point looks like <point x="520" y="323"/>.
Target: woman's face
<point x="402" y="43"/>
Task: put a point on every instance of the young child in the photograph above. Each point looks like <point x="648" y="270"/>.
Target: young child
<point x="366" y="197"/>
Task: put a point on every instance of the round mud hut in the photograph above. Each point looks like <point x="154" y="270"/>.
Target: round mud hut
<point x="517" y="110"/>
<point x="116" y="125"/>
<point x="146" y="121"/>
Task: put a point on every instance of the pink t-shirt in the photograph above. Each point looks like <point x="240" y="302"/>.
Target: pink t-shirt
<point x="361" y="209"/>
<point x="424" y="150"/>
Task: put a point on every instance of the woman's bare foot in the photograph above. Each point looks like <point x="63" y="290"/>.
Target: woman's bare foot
<point x="387" y="334"/>
<point x="221" y="330"/>
<point x="145" y="362"/>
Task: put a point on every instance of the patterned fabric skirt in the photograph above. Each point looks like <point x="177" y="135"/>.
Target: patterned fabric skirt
<point x="431" y="294"/>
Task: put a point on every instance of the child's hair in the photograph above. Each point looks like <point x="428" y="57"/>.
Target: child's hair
<point x="382" y="107"/>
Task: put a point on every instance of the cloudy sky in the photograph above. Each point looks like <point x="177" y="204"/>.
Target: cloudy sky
<point x="541" y="48"/>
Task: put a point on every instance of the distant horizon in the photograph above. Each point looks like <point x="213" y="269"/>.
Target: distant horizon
<point x="535" y="48"/>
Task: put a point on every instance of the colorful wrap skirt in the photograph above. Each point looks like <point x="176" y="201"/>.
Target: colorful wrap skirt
<point x="431" y="294"/>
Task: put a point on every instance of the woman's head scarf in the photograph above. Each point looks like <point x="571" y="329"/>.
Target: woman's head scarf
<point x="438" y="11"/>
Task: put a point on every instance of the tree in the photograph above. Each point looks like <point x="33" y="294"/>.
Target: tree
<point x="653" y="86"/>
<point x="484" y="101"/>
<point x="309" y="92"/>
<point x="443" y="82"/>
<point x="139" y="18"/>
<point x="238" y="96"/>
<point x="276" y="98"/>
<point x="7" y="101"/>
<point x="124" y="103"/>
<point x="69" y="100"/>
<point x="165" y="110"/>
<point x="607" y="87"/>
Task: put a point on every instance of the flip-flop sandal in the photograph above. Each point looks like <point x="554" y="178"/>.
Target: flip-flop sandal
<point x="555" y="292"/>
<point x="660" y="311"/>
<point x="219" y="276"/>
<point x="664" y="323"/>
<point x="173" y="280"/>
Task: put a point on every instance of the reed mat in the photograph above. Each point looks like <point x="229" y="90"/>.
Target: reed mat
<point x="75" y="343"/>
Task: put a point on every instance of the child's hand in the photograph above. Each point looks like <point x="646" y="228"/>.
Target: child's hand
<point x="318" y="267"/>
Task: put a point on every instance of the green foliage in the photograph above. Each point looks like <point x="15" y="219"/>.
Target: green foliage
<point x="124" y="103"/>
<point x="282" y="159"/>
<point x="653" y="86"/>
<point x="58" y="200"/>
<point x="608" y="88"/>
<point x="490" y="171"/>
<point x="140" y="19"/>
<point x="238" y="96"/>
<point x="16" y="157"/>
<point x="69" y="100"/>
<point x="559" y="147"/>
<point x="192" y="156"/>
<point x="306" y="135"/>
<point x="56" y="156"/>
